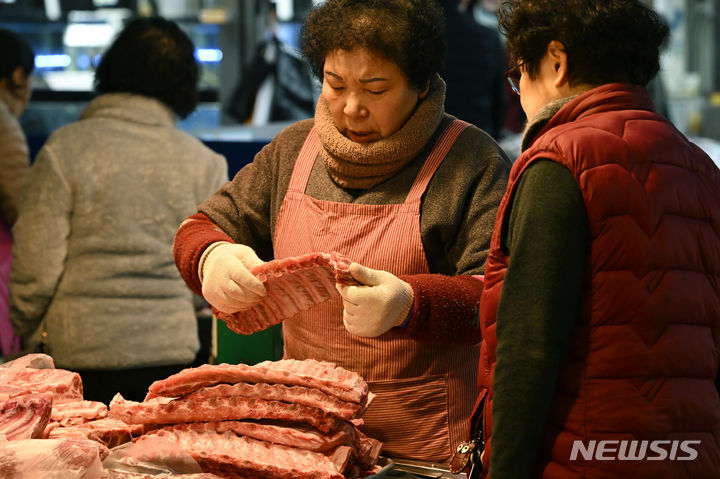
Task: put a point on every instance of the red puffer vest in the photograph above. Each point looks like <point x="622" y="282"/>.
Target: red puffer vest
<point x="644" y="351"/>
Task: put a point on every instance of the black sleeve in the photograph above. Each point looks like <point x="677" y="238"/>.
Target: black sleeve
<point x="547" y="240"/>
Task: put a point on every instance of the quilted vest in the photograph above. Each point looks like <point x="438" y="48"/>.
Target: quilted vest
<point x="643" y="354"/>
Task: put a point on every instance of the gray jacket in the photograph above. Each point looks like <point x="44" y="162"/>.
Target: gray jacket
<point x="14" y="161"/>
<point x="93" y="253"/>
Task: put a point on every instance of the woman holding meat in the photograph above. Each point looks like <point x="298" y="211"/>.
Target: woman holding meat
<point x="382" y="175"/>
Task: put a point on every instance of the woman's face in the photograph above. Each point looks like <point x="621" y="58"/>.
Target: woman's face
<point x="369" y="97"/>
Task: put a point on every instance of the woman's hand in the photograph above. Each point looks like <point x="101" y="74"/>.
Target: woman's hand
<point x="227" y="283"/>
<point x="382" y="302"/>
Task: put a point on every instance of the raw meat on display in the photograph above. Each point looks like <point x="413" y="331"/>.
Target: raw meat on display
<point x="52" y="459"/>
<point x="8" y="392"/>
<point x="33" y="360"/>
<point x="365" y="449"/>
<point x="25" y="417"/>
<point x="111" y="474"/>
<point x="227" y="451"/>
<point x="64" y="385"/>
<point x="292" y="285"/>
<point x="46" y="405"/>
<point x="279" y="392"/>
<point x="274" y="420"/>
<point x="327" y="377"/>
<point x="87" y="419"/>
<point x="108" y="431"/>
<point x="154" y="411"/>
<point x="152" y="453"/>
<point x="287" y="435"/>
<point x="78" y="411"/>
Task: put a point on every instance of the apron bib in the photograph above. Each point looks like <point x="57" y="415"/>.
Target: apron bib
<point x="424" y="392"/>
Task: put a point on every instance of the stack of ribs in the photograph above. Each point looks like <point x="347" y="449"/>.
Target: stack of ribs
<point x="274" y="420"/>
<point x="292" y="285"/>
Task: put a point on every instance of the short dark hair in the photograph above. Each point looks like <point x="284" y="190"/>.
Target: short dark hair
<point x="155" y="58"/>
<point x="15" y="52"/>
<point x="410" y="33"/>
<point x="606" y="41"/>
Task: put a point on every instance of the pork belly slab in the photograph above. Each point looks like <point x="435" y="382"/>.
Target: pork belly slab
<point x="292" y="285"/>
<point x="325" y="376"/>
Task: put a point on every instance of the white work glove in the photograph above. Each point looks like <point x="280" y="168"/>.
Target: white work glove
<point x="382" y="302"/>
<point x="227" y="283"/>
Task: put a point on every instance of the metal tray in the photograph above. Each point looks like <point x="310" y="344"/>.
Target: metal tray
<point x="405" y="468"/>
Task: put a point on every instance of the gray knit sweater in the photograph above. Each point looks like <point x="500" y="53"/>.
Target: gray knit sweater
<point x="93" y="242"/>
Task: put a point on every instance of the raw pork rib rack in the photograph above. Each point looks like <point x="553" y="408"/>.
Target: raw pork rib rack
<point x="292" y="285"/>
<point x="285" y="419"/>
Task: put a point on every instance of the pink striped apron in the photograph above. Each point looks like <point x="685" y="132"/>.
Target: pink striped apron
<point x="9" y="341"/>
<point x="425" y="392"/>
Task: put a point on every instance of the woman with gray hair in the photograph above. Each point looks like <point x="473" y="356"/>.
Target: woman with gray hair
<point x="601" y="308"/>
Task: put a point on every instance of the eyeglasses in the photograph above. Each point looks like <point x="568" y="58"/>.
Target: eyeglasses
<point x="512" y="76"/>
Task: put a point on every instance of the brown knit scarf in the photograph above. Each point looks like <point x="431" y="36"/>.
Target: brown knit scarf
<point x="364" y="165"/>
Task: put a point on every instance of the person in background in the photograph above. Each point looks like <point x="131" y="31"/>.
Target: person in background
<point x="17" y="61"/>
<point x="277" y="85"/>
<point x="484" y="12"/>
<point x="600" y="314"/>
<point x="94" y="279"/>
<point x="384" y="176"/>
<point x="473" y="70"/>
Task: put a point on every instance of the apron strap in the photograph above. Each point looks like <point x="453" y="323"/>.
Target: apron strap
<point x="311" y="148"/>
<point x="304" y="163"/>
<point x="436" y="156"/>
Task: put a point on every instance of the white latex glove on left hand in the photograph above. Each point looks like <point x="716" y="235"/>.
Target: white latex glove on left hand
<point x="227" y="283"/>
<point x="382" y="302"/>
